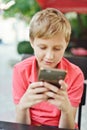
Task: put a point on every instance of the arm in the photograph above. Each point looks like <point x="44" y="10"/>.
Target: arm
<point x="60" y="99"/>
<point x="33" y="95"/>
<point x="68" y="119"/>
<point x="22" y="115"/>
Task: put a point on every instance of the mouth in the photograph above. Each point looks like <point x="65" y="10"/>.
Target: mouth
<point x="48" y="63"/>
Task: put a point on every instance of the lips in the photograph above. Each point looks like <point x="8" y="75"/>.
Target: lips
<point x="48" y="62"/>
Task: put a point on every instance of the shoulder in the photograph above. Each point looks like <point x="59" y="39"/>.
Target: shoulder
<point x="71" y="67"/>
<point x="73" y="71"/>
<point x="75" y="81"/>
<point x="25" y="64"/>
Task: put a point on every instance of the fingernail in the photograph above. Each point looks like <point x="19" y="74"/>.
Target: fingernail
<point x="60" y="81"/>
<point x="41" y="83"/>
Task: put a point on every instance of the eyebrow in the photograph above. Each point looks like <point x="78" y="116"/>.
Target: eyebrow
<point x="58" y="46"/>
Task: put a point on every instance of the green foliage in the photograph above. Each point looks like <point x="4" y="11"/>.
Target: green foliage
<point x="75" y="27"/>
<point x="84" y="19"/>
<point x="79" y="26"/>
<point x="24" y="47"/>
<point x="24" y="8"/>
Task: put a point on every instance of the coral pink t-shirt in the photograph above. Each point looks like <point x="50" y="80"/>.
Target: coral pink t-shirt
<point x="45" y="113"/>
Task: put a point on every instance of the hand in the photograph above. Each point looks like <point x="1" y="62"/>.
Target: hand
<point x="33" y="95"/>
<point x="58" y="96"/>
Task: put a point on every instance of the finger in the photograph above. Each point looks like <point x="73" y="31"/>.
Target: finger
<point x="36" y="84"/>
<point x="37" y="98"/>
<point x="30" y="104"/>
<point x="40" y="97"/>
<point x="37" y="101"/>
<point x="32" y="99"/>
<point x="40" y="90"/>
<point x="56" y="103"/>
<point x="63" y="85"/>
<point x="51" y="87"/>
<point x="51" y="94"/>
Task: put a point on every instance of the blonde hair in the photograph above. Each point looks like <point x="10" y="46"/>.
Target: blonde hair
<point x="47" y="23"/>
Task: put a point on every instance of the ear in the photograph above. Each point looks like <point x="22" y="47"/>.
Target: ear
<point x="66" y="45"/>
<point x="31" y="44"/>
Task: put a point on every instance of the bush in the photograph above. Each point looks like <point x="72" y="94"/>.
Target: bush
<point x="24" y="47"/>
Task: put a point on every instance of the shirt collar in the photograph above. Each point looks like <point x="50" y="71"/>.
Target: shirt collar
<point x="33" y="76"/>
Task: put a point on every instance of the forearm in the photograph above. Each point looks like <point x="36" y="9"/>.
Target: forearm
<point x="23" y="116"/>
<point x="67" y="120"/>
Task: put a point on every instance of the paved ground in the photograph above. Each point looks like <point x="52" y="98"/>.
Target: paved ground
<point x="9" y="56"/>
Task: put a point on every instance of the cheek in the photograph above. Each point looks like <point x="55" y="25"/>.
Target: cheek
<point x="38" y="53"/>
<point x="59" y="55"/>
<point x="36" y="49"/>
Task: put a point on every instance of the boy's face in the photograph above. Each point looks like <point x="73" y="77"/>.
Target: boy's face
<point x="49" y="52"/>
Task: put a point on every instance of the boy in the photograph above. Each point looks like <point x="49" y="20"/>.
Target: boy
<point x="41" y="103"/>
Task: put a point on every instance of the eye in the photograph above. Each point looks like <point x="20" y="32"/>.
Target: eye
<point x="42" y="47"/>
<point x="57" y="49"/>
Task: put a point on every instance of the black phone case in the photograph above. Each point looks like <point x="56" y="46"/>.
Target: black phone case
<point x="52" y="75"/>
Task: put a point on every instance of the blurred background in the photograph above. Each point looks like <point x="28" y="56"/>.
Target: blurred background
<point x="14" y="42"/>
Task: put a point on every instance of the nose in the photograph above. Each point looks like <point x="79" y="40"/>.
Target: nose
<point x="49" y="55"/>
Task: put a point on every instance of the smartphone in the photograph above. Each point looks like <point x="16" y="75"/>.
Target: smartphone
<point x="52" y="75"/>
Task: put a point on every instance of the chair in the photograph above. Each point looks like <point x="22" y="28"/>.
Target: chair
<point x="24" y="56"/>
<point x="82" y="63"/>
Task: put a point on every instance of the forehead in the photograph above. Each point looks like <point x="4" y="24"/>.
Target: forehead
<point x="58" y="40"/>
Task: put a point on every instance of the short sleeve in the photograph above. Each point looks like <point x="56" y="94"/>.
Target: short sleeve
<point x="19" y="84"/>
<point x="75" y="89"/>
